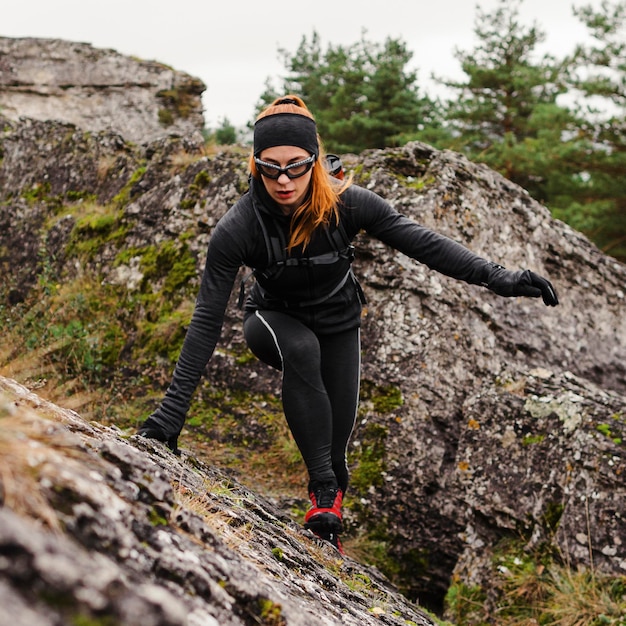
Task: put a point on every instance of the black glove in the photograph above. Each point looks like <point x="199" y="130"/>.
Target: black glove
<point x="151" y="430"/>
<point x="522" y="283"/>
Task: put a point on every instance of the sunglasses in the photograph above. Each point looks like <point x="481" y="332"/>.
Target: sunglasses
<point x="293" y="170"/>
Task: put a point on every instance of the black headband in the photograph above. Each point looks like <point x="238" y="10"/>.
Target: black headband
<point x="286" y="129"/>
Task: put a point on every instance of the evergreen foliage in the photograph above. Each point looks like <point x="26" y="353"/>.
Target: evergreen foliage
<point x="505" y="113"/>
<point x="597" y="203"/>
<point x="362" y="95"/>
<point x="226" y="134"/>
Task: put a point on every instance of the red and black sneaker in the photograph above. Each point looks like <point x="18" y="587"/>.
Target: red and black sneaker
<point x="324" y="517"/>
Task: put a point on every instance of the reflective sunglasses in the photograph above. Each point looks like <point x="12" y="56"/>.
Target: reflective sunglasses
<point x="293" y="170"/>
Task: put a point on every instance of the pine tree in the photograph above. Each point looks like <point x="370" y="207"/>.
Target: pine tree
<point x="505" y="113"/>
<point x="226" y="133"/>
<point x="596" y="202"/>
<point x="362" y="95"/>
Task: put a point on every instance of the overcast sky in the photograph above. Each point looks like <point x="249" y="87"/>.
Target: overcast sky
<point x="232" y="45"/>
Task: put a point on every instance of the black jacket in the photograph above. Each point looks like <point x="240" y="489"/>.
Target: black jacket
<point x="238" y="240"/>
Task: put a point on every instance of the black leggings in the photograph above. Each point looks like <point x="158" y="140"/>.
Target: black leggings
<point x="320" y="387"/>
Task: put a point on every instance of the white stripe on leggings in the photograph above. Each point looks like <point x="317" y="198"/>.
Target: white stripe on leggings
<point x="271" y="332"/>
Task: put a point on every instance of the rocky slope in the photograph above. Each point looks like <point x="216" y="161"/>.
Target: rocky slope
<point x="96" y="529"/>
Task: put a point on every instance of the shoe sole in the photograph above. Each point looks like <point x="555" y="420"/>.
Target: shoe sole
<point x="324" y="523"/>
<point x="331" y="538"/>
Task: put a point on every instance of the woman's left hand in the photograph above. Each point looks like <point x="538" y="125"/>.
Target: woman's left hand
<point x="521" y="283"/>
<point x="533" y="285"/>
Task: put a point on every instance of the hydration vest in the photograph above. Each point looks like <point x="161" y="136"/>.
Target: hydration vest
<point x="278" y="260"/>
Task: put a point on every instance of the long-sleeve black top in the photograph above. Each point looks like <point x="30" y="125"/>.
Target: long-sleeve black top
<point x="238" y="240"/>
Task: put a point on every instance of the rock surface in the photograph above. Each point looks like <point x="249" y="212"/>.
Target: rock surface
<point x="94" y="526"/>
<point x="507" y="403"/>
<point x="51" y="79"/>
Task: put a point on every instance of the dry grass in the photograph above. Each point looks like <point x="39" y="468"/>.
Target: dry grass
<point x="31" y="369"/>
<point x="28" y="443"/>
<point x="105" y="164"/>
<point x="560" y="596"/>
<point x="582" y="598"/>
<point x="181" y="159"/>
<point x="221" y="520"/>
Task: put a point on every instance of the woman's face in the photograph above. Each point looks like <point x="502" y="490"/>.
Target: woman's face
<point x="288" y="193"/>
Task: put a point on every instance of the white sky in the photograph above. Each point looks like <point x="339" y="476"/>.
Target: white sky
<point x="232" y="45"/>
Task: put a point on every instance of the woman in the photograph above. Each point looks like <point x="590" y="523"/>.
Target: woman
<point x="302" y="316"/>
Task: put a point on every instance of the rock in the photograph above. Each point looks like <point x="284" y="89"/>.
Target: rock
<point x="52" y="79"/>
<point x="94" y="525"/>
<point x="482" y="447"/>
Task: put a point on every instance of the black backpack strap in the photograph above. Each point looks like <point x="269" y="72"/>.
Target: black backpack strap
<point x="343" y="243"/>
<point x="242" y="289"/>
<point x="275" y="252"/>
<point x="276" y="248"/>
<point x="339" y="240"/>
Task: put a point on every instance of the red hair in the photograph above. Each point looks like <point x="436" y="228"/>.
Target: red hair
<point x="321" y="204"/>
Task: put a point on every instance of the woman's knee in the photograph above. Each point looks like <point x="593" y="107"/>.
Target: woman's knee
<point x="302" y="347"/>
<point x="262" y="341"/>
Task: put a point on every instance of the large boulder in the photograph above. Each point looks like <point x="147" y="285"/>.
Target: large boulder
<point x="97" y="89"/>
<point x="512" y="415"/>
